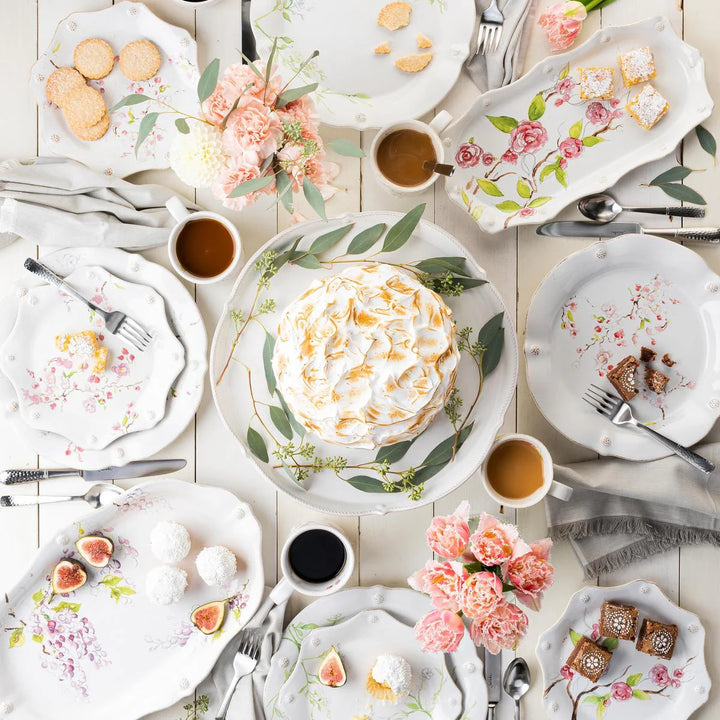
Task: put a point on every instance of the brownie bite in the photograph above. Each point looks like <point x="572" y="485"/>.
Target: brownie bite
<point x="618" y="621"/>
<point x="656" y="638"/>
<point x="589" y="659"/>
<point x="655" y="380"/>
<point x="647" y="354"/>
<point x="667" y="360"/>
<point x="622" y="377"/>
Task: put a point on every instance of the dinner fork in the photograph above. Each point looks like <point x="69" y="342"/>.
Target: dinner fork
<point x="619" y="412"/>
<point x="244" y="663"/>
<point x="490" y="30"/>
<point x="116" y="322"/>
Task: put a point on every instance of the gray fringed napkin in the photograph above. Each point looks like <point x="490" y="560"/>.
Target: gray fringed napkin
<point x="623" y="511"/>
<point x="56" y="201"/>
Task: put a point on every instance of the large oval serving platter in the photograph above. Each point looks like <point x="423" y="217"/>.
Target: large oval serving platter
<point x="525" y="151"/>
<point x="238" y="360"/>
<point x="105" y="650"/>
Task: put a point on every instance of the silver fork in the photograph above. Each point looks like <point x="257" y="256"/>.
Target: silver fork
<point x="117" y="323"/>
<point x="619" y="412"/>
<point x="490" y="30"/>
<point x="244" y="663"/>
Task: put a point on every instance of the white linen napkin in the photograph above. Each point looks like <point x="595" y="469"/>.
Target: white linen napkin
<point x="57" y="201"/>
<point x="506" y="63"/>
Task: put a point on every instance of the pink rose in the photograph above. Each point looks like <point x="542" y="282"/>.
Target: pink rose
<point x="238" y="170"/>
<point x="597" y="113"/>
<point x="448" y="535"/>
<point x="621" y="691"/>
<point x="494" y="542"/>
<point x="480" y="595"/>
<point x="566" y="672"/>
<point x="659" y="675"/>
<point x="571" y="147"/>
<point x="488" y="159"/>
<point x="252" y="128"/>
<point x="440" y="631"/>
<point x="503" y="629"/>
<point x="531" y="574"/>
<point x="468" y="155"/>
<point x="528" y="137"/>
<point x="527" y="212"/>
<point x="442" y="581"/>
<point x="562" y="22"/>
<point x="564" y="87"/>
<point x="509" y="156"/>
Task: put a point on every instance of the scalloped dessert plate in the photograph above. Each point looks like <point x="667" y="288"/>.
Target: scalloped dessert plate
<point x="106" y="650"/>
<point x="635" y="684"/>
<point x="525" y="151"/>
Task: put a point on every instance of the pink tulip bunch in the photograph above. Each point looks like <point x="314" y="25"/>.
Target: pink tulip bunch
<point x="563" y="21"/>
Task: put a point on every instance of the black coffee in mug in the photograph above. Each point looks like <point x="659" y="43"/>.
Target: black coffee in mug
<point x="317" y="556"/>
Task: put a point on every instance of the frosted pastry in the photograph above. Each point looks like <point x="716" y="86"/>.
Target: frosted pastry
<point x="596" y="83"/>
<point x="637" y="66"/>
<point x="647" y="107"/>
<point x="84" y="350"/>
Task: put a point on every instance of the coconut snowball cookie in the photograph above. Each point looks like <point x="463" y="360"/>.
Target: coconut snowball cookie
<point x="389" y="677"/>
<point x="366" y="357"/>
<point x="216" y="565"/>
<point x="170" y="541"/>
<point x="166" y="584"/>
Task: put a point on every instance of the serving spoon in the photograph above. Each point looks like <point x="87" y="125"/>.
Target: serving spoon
<point x="516" y="682"/>
<point x="97" y="496"/>
<point x="602" y="207"/>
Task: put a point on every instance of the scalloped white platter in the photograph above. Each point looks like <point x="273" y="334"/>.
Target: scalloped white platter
<point x="635" y="684"/>
<point x="525" y="151"/>
<point x="105" y="650"/>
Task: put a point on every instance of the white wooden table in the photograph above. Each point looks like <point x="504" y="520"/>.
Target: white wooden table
<point x="516" y="261"/>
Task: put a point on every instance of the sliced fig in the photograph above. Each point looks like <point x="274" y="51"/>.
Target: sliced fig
<point x="96" y="550"/>
<point x="332" y="670"/>
<point x="208" y="618"/>
<point x="67" y="576"/>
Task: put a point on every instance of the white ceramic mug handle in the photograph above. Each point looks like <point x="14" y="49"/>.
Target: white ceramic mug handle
<point x="560" y="491"/>
<point x="281" y="592"/>
<point x="440" y="121"/>
<point x="177" y="208"/>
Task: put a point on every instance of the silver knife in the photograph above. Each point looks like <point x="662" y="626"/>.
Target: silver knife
<point x="139" y="468"/>
<point x="580" y="228"/>
<point x="493" y="680"/>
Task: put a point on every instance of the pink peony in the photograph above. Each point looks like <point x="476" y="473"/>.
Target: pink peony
<point x="531" y="574"/>
<point x="493" y="542"/>
<point x="468" y="155"/>
<point x="448" y="535"/>
<point x="528" y="137"/>
<point x="503" y="629"/>
<point x="442" y="581"/>
<point x="597" y="113"/>
<point x="440" y="631"/>
<point x="562" y="22"/>
<point x="621" y="691"/>
<point x="252" y="130"/>
<point x="235" y="171"/>
<point x="659" y="675"/>
<point x="480" y="595"/>
<point x="570" y="147"/>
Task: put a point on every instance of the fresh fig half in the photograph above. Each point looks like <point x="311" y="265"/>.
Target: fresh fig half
<point x="332" y="671"/>
<point x="67" y="576"/>
<point x="96" y="550"/>
<point x="208" y="618"/>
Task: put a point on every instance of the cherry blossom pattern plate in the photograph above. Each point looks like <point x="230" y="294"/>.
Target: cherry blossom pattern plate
<point x="58" y="388"/>
<point x="185" y="323"/>
<point x="356" y="87"/>
<point x="175" y="83"/>
<point x="525" y="151"/>
<point x="402" y="604"/>
<point x="604" y="303"/>
<point x="635" y="684"/>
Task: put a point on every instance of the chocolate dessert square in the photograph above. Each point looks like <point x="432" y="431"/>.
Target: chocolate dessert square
<point x="589" y="659"/>
<point x="655" y="380"/>
<point x="618" y="621"/>
<point x="667" y="360"/>
<point x="622" y="377"/>
<point x="647" y="355"/>
<point x="656" y="638"/>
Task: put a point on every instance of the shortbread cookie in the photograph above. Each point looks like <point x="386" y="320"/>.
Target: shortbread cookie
<point x="395" y="15"/>
<point x="62" y="81"/>
<point x="83" y="107"/>
<point x="382" y="49"/>
<point x="414" y="63"/>
<point x="139" y="60"/>
<point x="94" y="132"/>
<point x="423" y="41"/>
<point x="94" y="58"/>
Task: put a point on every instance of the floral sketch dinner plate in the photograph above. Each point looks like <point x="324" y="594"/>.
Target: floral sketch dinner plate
<point x="358" y="87"/>
<point x="175" y="84"/>
<point x="635" y="684"/>
<point x="65" y="654"/>
<point x="52" y="366"/>
<point x="606" y="302"/>
<point x="525" y="151"/>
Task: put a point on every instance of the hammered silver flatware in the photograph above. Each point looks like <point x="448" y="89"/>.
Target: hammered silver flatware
<point x="602" y="207"/>
<point x="490" y="30"/>
<point x="585" y="228"/>
<point x="97" y="496"/>
<point x="244" y="663"/>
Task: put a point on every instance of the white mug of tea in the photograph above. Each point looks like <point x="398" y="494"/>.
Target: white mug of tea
<point x="204" y="247"/>
<point x="518" y="472"/>
<point x="400" y="152"/>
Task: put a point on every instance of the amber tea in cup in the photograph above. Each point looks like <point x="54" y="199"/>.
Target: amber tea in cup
<point x="205" y="248"/>
<point x="515" y="469"/>
<point x="402" y="154"/>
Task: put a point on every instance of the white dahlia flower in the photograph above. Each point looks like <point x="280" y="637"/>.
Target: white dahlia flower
<point x="197" y="157"/>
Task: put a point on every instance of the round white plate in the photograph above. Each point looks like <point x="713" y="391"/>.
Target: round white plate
<point x="358" y="88"/>
<point x="604" y="303"/>
<point x="57" y="393"/>
<point x="404" y="605"/>
<point x="106" y="650"/>
<point x="324" y="490"/>
<point x="635" y="684"/>
<point x="360" y="640"/>
<point x="175" y="83"/>
<point x="185" y="322"/>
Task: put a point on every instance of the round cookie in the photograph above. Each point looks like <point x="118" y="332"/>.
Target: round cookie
<point x="83" y="107"/>
<point x="139" y="60"/>
<point x="62" y="81"/>
<point x="94" y="58"/>
<point x="94" y="132"/>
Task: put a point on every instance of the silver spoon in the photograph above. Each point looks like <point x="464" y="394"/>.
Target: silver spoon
<point x="604" y="208"/>
<point x="97" y="496"/>
<point x="439" y="168"/>
<point x="516" y="682"/>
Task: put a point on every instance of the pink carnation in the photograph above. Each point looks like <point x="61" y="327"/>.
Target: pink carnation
<point x="503" y="629"/>
<point x="562" y="22"/>
<point x="252" y="129"/>
<point x="494" y="542"/>
<point x="480" y="595"/>
<point x="531" y="574"/>
<point x="301" y="110"/>
<point x="440" y="631"/>
<point x="238" y="170"/>
<point x="448" y="535"/>
<point x="442" y="581"/>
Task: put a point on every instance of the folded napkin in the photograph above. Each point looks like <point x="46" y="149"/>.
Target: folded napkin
<point x="506" y="63"/>
<point x="623" y="511"/>
<point x="57" y="201"/>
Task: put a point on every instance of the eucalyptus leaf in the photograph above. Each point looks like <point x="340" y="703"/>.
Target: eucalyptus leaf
<point x="284" y="189"/>
<point x="675" y="174"/>
<point x="268" y="348"/>
<point x="345" y="147"/>
<point x="443" y="265"/>
<point x="252" y="65"/>
<point x="365" y="239"/>
<point x="270" y="60"/>
<point x="314" y="197"/>
<point x="257" y="445"/>
<point x="280" y="421"/>
<point x="146" y="126"/>
<point x="393" y="453"/>
<point x="309" y="262"/>
<point x="469" y="283"/>
<point x="208" y="80"/>
<point x="682" y="192"/>
<point x="706" y="140"/>
<point x="492" y="336"/>
<point x="401" y="231"/>
<point x="297" y="427"/>
<point x="443" y="452"/>
<point x="135" y="99"/>
<point x="251" y="186"/>
<point x="289" y="254"/>
<point x="367" y="484"/>
<point x="292" y="94"/>
<point x="327" y="240"/>
<point x="182" y="126"/>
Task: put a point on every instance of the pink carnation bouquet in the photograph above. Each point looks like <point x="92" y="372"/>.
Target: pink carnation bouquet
<point x="475" y="571"/>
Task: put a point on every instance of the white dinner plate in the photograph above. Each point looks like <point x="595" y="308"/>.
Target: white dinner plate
<point x="604" y="303"/>
<point x="404" y="605"/>
<point x="105" y="650"/>
<point x="175" y="84"/>
<point x="59" y="391"/>
<point x="636" y="685"/>
<point x="185" y="322"/>
<point x="358" y="88"/>
<point x="525" y="151"/>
